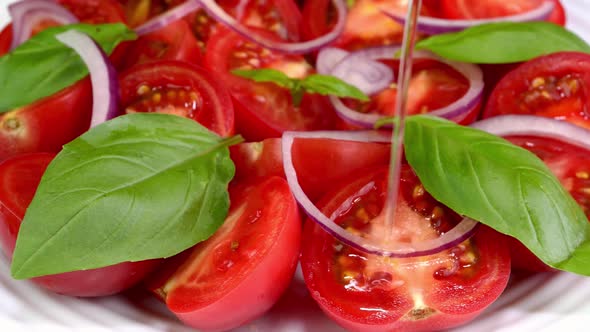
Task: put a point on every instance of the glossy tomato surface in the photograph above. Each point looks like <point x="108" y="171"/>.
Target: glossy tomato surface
<point x="321" y="164"/>
<point x="264" y="110"/>
<point x="242" y="270"/>
<point x="365" y="292"/>
<point x="481" y="9"/>
<point x="95" y="11"/>
<point x="176" y="87"/>
<point x="19" y="178"/>
<point x="47" y="124"/>
<point x="555" y="86"/>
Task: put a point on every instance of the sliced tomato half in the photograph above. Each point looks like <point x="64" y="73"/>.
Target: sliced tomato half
<point x="242" y="270"/>
<point x="365" y="292"/>
<point x="179" y="88"/>
<point x="480" y="9"/>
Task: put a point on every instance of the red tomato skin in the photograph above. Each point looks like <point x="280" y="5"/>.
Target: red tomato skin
<point x="96" y="11"/>
<point x="5" y="39"/>
<point x="19" y="178"/>
<point x="47" y="124"/>
<point x="321" y="164"/>
<point x="456" y="300"/>
<point x="506" y="96"/>
<point x="231" y="296"/>
<point x="217" y="110"/>
<point x="175" y="41"/>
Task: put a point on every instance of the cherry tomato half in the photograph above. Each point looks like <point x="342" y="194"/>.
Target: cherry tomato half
<point x="19" y="178"/>
<point x="179" y="88"/>
<point x="242" y="270"/>
<point x="95" y="11"/>
<point x="321" y="164"/>
<point x="365" y="292"/>
<point x="47" y="124"/>
<point x="555" y="86"/>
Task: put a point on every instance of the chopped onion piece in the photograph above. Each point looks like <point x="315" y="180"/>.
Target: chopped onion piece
<point x="328" y="58"/>
<point x="532" y="125"/>
<point x="287" y="47"/>
<point x="461" y="232"/>
<point x="433" y="25"/>
<point x="105" y="84"/>
<point x="456" y="111"/>
<point x="168" y="17"/>
<point x="27" y="14"/>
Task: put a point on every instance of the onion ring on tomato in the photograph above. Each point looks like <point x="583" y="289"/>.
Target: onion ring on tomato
<point x="27" y="14"/>
<point x="222" y="16"/>
<point x="461" y="232"/>
<point x="433" y="25"/>
<point x="103" y="76"/>
<point x="456" y="111"/>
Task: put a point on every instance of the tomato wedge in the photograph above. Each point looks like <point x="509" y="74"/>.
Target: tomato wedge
<point x="264" y="110"/>
<point x="176" y="87"/>
<point x="95" y="11"/>
<point x="555" y="85"/>
<point x="19" y="178"/>
<point x="365" y="292"/>
<point x="242" y="270"/>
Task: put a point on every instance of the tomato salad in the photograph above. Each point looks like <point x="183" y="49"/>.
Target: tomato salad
<point x="203" y="150"/>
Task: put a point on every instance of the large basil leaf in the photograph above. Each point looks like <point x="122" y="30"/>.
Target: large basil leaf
<point x="43" y="65"/>
<point x="503" y="186"/>
<point x="138" y="187"/>
<point x="504" y="42"/>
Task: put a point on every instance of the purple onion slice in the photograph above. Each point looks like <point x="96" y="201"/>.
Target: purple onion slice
<point x="168" y="17"/>
<point x="456" y="111"/>
<point x="222" y="16"/>
<point x="103" y="76"/>
<point x="434" y="26"/>
<point x="461" y="232"/>
<point x="532" y="125"/>
<point x="27" y="14"/>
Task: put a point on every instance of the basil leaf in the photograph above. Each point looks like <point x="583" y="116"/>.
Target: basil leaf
<point x="330" y="85"/>
<point x="42" y="65"/>
<point x="504" y="42"/>
<point x="266" y="75"/>
<point x="503" y="186"/>
<point x="138" y="187"/>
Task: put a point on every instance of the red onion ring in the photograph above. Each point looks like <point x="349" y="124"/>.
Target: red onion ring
<point x="532" y="125"/>
<point x="456" y="111"/>
<point x="27" y="14"/>
<point x="433" y="25"/>
<point x="328" y="58"/>
<point x="168" y="17"/>
<point x="461" y="232"/>
<point x="103" y="76"/>
<point x="214" y="10"/>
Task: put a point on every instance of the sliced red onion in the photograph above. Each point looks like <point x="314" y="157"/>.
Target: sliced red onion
<point x="461" y="232"/>
<point x="103" y="76"/>
<point x="328" y="58"/>
<point x="433" y="25"/>
<point x="168" y="17"/>
<point x="456" y="111"/>
<point x="531" y="125"/>
<point x="222" y="16"/>
<point x="27" y="14"/>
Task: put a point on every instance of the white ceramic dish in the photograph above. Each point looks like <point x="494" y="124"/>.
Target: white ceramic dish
<point x="545" y="302"/>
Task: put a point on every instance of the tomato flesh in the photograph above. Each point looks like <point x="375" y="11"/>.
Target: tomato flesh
<point x="19" y="178"/>
<point x="373" y="293"/>
<point x="242" y="270"/>
<point x="555" y="86"/>
<point x="178" y="88"/>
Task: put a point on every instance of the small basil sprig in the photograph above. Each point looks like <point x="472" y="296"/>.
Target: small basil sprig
<point x="42" y="65"/>
<point x="315" y="83"/>
<point x="506" y="187"/>
<point x="504" y="42"/>
<point x="138" y="187"/>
